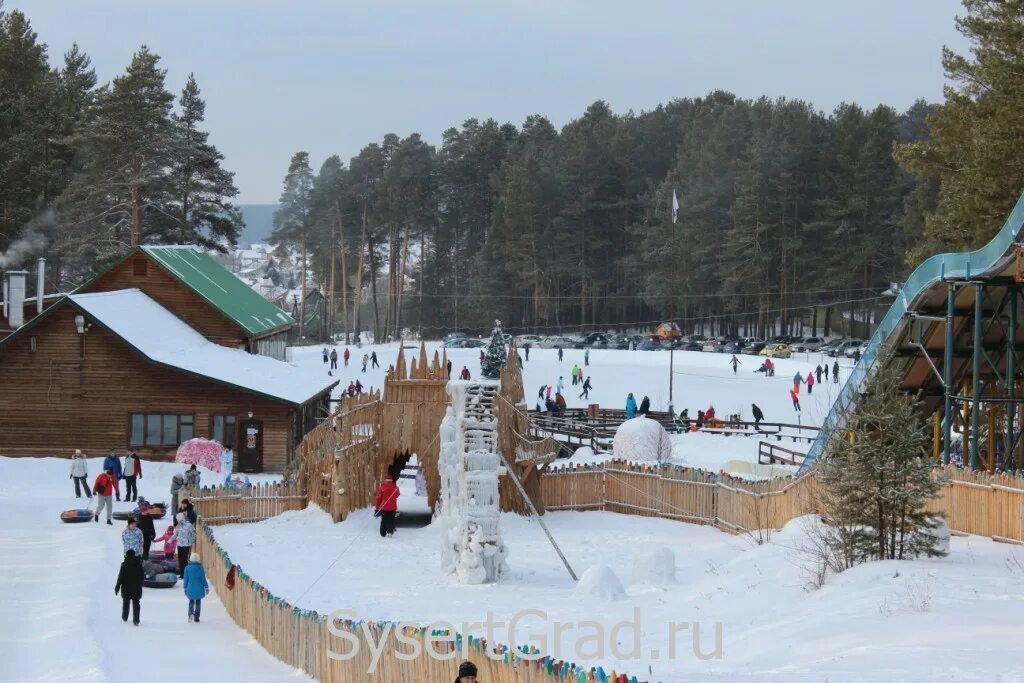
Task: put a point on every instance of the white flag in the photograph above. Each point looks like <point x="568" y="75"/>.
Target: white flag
<point x="675" y="206"/>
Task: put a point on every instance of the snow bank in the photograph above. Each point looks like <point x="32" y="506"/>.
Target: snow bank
<point x="599" y="582"/>
<point x="642" y="440"/>
<point x="656" y="569"/>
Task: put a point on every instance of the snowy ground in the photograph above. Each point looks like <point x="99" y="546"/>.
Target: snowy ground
<point x="956" y="618"/>
<point x="700" y="380"/>
<point x="61" y="619"/>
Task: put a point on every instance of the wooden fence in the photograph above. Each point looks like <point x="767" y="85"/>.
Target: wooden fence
<point x="232" y="504"/>
<point x="678" y="493"/>
<point x="981" y="503"/>
<point x="305" y="639"/>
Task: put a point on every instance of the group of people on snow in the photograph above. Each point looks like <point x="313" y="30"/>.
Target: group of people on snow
<point x="140" y="533"/>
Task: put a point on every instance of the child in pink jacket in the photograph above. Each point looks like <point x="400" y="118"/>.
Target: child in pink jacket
<point x="170" y="542"/>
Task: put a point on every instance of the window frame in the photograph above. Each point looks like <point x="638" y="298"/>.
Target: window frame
<point x="180" y="419"/>
<point x="219" y="437"/>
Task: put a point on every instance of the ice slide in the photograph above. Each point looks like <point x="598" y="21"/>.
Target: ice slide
<point x="930" y="273"/>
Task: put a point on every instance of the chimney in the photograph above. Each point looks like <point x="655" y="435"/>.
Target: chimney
<point x="16" y="298"/>
<point x="40" y="285"/>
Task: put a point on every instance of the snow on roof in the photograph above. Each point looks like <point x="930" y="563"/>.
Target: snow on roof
<point x="164" y="338"/>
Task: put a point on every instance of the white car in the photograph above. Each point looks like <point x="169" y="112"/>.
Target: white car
<point x="554" y="342"/>
<point x="858" y="350"/>
<point x="531" y="339"/>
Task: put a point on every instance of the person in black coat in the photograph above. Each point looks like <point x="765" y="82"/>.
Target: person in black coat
<point x="645" y="406"/>
<point x="758" y="415"/>
<point x="148" y="533"/>
<point x="189" y="509"/>
<point x="129" y="585"/>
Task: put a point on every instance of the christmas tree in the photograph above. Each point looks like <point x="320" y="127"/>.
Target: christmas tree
<point x="494" y="361"/>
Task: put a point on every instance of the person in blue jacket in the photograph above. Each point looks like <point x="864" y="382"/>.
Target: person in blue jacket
<point x="112" y="462"/>
<point x="630" y="407"/>
<point x="196" y="587"/>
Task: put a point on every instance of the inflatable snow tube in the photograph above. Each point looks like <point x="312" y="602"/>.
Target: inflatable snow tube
<point x="155" y="511"/>
<point x="165" y="580"/>
<point x="155" y="566"/>
<point x="75" y="516"/>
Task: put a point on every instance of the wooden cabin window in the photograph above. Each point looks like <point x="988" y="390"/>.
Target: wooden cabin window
<point x="159" y="430"/>
<point x="222" y="430"/>
<point x="140" y="267"/>
<point x="32" y="346"/>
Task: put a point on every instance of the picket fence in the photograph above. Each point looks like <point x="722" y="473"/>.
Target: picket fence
<point x="978" y="503"/>
<point x="304" y="639"/>
<point x="972" y="502"/>
<point x="679" y="493"/>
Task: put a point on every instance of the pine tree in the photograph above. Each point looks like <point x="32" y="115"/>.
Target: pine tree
<point x="127" y="148"/>
<point x="292" y="218"/>
<point x="875" y="481"/>
<point x="497" y="353"/>
<point x="972" y="150"/>
<point x="199" y="190"/>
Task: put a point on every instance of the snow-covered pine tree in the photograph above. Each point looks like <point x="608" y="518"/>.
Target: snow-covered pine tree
<point x="497" y="352"/>
<point x="875" y="482"/>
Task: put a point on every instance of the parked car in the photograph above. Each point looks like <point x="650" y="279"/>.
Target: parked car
<point x="555" y="342"/>
<point x="755" y="347"/>
<point x="809" y="344"/>
<point x="733" y="347"/>
<point x="593" y="340"/>
<point x="618" y="341"/>
<point x="691" y="346"/>
<point x="461" y="343"/>
<point x="452" y="336"/>
<point x="711" y="346"/>
<point x="777" y="351"/>
<point x="531" y="339"/>
<point x="829" y="345"/>
<point x="650" y="346"/>
<point x="841" y="348"/>
<point x="858" y="350"/>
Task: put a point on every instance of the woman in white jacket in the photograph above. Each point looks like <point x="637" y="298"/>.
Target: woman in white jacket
<point x="80" y="473"/>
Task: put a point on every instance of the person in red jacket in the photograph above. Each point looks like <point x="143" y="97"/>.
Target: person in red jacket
<point x="347" y="354"/>
<point x="104" y="488"/>
<point x="386" y="502"/>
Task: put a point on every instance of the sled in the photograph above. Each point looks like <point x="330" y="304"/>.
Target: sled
<point x="165" y="580"/>
<point x="75" y="516"/>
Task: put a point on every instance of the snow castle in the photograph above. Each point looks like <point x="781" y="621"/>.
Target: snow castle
<point x="469" y="466"/>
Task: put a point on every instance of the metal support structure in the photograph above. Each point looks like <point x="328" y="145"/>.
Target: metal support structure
<point x="947" y="374"/>
<point x="979" y="297"/>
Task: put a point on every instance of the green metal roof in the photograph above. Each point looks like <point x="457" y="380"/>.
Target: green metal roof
<point x="198" y="271"/>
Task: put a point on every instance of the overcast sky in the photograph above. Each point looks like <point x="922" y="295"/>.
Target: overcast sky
<point x="329" y="76"/>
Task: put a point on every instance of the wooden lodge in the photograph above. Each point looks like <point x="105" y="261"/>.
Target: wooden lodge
<point x="164" y="346"/>
<point x="200" y="291"/>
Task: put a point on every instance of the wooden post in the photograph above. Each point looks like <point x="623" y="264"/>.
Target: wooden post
<point x="991" y="456"/>
<point x="936" y="436"/>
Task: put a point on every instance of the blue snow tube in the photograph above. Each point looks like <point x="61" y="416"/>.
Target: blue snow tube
<point x="165" y="580"/>
<point x="76" y="516"/>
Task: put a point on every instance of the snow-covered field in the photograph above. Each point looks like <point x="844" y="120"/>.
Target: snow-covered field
<point x="61" y="619"/>
<point x="956" y="618"/>
<point x="700" y="380"/>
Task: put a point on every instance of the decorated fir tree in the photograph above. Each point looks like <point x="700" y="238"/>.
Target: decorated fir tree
<point x="494" y="361"/>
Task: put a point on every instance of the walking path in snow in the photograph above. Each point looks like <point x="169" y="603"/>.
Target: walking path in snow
<point x="61" y="619"/>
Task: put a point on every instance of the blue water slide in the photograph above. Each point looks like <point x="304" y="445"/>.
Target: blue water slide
<point x="926" y="276"/>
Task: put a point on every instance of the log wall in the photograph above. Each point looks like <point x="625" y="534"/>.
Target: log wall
<point x="66" y="400"/>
